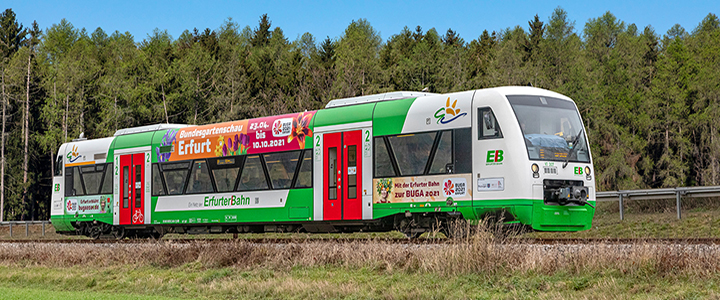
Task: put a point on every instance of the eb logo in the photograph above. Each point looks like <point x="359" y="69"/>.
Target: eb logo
<point x="494" y="157"/>
<point x="578" y="171"/>
<point x="57" y="187"/>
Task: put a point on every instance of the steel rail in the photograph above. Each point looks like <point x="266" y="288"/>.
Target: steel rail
<point x="544" y="241"/>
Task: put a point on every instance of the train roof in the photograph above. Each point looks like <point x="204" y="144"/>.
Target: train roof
<point x="147" y="128"/>
<point x="376" y="98"/>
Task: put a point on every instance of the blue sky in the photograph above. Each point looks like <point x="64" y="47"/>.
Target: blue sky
<point x="330" y="18"/>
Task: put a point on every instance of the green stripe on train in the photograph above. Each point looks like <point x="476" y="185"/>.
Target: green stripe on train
<point x="344" y="115"/>
<point x="389" y="117"/>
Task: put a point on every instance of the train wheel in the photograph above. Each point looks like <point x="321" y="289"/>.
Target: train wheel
<point x="406" y="226"/>
<point x="118" y="232"/>
<point x="94" y="232"/>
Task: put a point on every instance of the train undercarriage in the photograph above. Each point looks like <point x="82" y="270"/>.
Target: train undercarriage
<point x="411" y="225"/>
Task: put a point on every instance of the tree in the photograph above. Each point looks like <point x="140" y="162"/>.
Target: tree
<point x="31" y="43"/>
<point x="12" y="36"/>
<point x="357" y="60"/>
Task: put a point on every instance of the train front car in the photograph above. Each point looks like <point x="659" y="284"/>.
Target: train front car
<point x="531" y="159"/>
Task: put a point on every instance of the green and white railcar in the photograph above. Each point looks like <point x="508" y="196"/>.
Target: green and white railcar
<point x="401" y="160"/>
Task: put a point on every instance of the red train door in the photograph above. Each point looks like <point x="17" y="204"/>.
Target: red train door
<point x="332" y="197"/>
<point x="352" y="175"/>
<point x="132" y="176"/>
<point x="343" y="176"/>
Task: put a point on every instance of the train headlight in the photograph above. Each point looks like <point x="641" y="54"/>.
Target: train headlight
<point x="587" y="173"/>
<point x="535" y="169"/>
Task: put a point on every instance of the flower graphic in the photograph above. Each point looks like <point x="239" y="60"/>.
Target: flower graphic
<point x="242" y="142"/>
<point x="234" y="145"/>
<point x="384" y="188"/>
<point x="219" y="148"/>
<point x="167" y="140"/>
<point x="449" y="188"/>
<point x="300" y="128"/>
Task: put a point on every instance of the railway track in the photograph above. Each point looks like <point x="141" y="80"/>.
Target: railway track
<point x="542" y="241"/>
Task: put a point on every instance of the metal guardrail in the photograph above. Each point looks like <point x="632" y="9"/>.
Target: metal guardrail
<point x="657" y="194"/>
<point x="27" y="224"/>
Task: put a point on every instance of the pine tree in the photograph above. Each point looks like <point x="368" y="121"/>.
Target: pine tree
<point x="12" y="36"/>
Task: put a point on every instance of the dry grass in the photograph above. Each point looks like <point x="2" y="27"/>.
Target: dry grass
<point x="482" y="251"/>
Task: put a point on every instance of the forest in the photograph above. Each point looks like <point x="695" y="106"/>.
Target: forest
<point x="650" y="101"/>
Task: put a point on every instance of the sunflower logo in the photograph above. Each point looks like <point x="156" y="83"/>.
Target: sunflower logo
<point x="448" y="113"/>
<point x="73" y="155"/>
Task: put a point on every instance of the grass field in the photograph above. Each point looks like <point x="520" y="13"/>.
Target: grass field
<point x="193" y="282"/>
<point x="483" y="267"/>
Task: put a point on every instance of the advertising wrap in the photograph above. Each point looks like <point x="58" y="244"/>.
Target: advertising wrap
<point x="261" y="135"/>
<point x="422" y="189"/>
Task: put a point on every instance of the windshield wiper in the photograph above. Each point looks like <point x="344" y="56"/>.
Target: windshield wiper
<point x="574" y="144"/>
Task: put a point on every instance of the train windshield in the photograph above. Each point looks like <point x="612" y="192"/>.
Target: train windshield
<point x="552" y="128"/>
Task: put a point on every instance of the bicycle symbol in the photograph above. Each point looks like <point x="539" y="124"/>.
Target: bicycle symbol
<point x="137" y="216"/>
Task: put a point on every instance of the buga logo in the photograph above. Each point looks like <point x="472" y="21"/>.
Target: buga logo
<point x="71" y="206"/>
<point x="73" y="155"/>
<point x="494" y="157"/>
<point x="455" y="187"/>
<point x="282" y="127"/>
<point x="448" y="113"/>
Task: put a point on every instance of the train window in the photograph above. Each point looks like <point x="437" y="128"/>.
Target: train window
<point x="488" y="127"/>
<point x="225" y="171"/>
<point x="383" y="164"/>
<point x="58" y="166"/>
<point x="304" y="179"/>
<point x="92" y="179"/>
<point x="281" y="168"/>
<point x="78" y="188"/>
<point x="462" y="141"/>
<point x="332" y="170"/>
<point x="158" y="189"/>
<point x="107" y="186"/>
<point x="412" y="151"/>
<point x="252" y="175"/>
<point x="442" y="162"/>
<point x="69" y="182"/>
<point x="126" y="184"/>
<point x="352" y="171"/>
<point x="175" y="175"/>
<point x="225" y="178"/>
<point x="200" y="181"/>
<point x="138" y="186"/>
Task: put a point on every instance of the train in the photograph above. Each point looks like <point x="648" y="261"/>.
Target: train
<point x="407" y="161"/>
